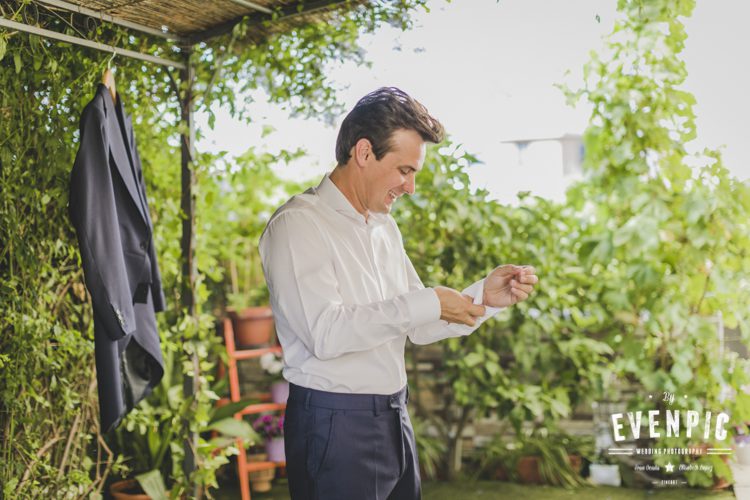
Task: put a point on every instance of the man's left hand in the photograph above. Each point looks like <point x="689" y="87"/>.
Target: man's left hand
<point x="507" y="285"/>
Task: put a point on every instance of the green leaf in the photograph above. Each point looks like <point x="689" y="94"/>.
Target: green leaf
<point x="153" y="485"/>
<point x="492" y="368"/>
<point x="229" y="409"/>
<point x="682" y="373"/>
<point x="473" y="359"/>
<point x="235" y="428"/>
<point x="17" y="61"/>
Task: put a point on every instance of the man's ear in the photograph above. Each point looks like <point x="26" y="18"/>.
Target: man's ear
<point x="363" y="152"/>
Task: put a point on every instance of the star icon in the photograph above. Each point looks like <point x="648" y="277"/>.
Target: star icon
<point x="669" y="467"/>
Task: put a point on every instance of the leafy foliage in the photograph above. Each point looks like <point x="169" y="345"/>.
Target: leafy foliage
<point x="51" y="444"/>
<point x="638" y="266"/>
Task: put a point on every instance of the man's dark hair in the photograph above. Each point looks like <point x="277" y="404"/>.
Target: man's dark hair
<point x="380" y="113"/>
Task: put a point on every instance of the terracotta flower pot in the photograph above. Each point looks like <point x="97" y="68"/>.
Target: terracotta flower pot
<point x="252" y="326"/>
<point x="576" y="463"/>
<point x="127" y="489"/>
<point x="528" y="470"/>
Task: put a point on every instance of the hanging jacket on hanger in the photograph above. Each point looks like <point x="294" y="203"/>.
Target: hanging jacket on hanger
<point x="109" y="210"/>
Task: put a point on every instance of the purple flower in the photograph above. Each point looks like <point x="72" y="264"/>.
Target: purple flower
<point x="269" y="426"/>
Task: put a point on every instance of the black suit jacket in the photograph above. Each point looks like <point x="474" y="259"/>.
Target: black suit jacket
<point x="109" y="210"/>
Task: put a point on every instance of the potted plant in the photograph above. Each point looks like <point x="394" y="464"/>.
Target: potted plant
<point x="151" y="433"/>
<point x="544" y="456"/>
<point x="271" y="427"/>
<point x="246" y="292"/>
<point x="252" y="325"/>
<point x="273" y="365"/>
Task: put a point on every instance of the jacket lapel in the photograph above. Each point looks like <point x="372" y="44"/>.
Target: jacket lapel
<point x="137" y="168"/>
<point x="129" y="131"/>
<point x="120" y="152"/>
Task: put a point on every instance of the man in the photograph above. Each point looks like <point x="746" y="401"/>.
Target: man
<point x="345" y="297"/>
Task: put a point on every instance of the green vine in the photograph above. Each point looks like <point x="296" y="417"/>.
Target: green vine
<point x="51" y="444"/>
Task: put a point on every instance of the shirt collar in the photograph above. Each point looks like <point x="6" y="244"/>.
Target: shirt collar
<point x="332" y="195"/>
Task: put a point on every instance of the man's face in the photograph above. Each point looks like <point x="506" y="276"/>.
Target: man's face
<point x="392" y="176"/>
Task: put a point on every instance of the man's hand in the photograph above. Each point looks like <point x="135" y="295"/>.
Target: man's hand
<point x="457" y="308"/>
<point x="507" y="285"/>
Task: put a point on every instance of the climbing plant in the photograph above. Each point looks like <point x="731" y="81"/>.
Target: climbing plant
<point x="51" y="445"/>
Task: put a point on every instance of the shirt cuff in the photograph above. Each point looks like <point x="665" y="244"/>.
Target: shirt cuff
<point x="423" y="306"/>
<point x="479" y="298"/>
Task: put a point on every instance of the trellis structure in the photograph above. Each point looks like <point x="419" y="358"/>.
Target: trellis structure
<point x="182" y="24"/>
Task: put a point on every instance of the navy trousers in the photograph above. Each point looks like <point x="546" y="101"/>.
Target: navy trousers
<point x="350" y="446"/>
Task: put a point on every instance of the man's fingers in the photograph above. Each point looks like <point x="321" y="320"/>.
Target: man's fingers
<point x="477" y="310"/>
<point x="515" y="285"/>
<point x="530" y="279"/>
<point x="526" y="269"/>
<point x="507" y="269"/>
<point x="470" y="320"/>
<point x="519" y="294"/>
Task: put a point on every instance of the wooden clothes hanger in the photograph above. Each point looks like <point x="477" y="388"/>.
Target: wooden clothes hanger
<point x="108" y="78"/>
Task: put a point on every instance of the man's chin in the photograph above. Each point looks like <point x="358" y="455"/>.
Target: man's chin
<point x="385" y="208"/>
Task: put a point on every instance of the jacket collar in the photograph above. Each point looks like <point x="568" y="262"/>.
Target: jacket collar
<point x="121" y="152"/>
<point x="332" y="196"/>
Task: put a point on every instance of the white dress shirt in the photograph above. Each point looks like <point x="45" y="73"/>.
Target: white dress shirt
<point x="345" y="295"/>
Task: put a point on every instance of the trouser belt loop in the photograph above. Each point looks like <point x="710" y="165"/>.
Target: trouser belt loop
<point x="307" y="399"/>
<point x="375" y="406"/>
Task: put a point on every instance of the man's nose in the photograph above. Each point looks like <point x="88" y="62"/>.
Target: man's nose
<point x="409" y="186"/>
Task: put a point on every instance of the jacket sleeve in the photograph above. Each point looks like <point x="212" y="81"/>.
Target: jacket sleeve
<point x="94" y="216"/>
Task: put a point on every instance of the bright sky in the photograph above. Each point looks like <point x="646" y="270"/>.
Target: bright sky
<point x="486" y="70"/>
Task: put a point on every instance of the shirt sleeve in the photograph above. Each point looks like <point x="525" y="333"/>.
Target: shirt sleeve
<point x="440" y="329"/>
<point x="299" y="269"/>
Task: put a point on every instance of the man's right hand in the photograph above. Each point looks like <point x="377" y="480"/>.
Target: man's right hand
<point x="457" y="308"/>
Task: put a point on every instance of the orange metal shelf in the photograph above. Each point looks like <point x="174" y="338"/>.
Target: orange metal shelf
<point x="254" y="408"/>
<point x="243" y="466"/>
<point x="261" y="407"/>
<point x="254" y="353"/>
<point x="256" y="466"/>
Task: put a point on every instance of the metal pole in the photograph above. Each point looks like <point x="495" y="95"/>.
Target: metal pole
<point x="7" y="23"/>
<point x="110" y="19"/>
<point x="253" y="5"/>
<point x="187" y="242"/>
